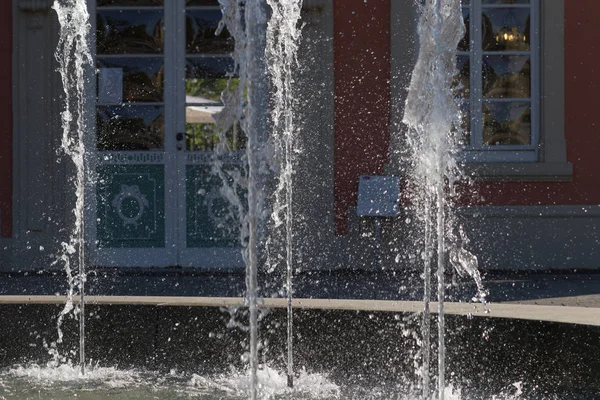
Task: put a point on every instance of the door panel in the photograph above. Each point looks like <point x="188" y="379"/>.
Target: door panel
<point x="161" y="72"/>
<point x="210" y="219"/>
<point x="209" y="234"/>
<point x="134" y="166"/>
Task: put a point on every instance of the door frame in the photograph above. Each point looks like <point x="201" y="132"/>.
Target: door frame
<point x="175" y="252"/>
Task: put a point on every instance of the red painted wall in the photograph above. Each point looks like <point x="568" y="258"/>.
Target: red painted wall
<point x="6" y="142"/>
<point x="362" y="97"/>
<point x="582" y="121"/>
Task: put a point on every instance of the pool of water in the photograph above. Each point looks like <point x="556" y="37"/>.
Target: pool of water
<point x="66" y="382"/>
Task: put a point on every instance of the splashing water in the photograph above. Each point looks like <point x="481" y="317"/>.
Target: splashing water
<point x="283" y="36"/>
<point x="66" y="382"/>
<point x="74" y="57"/>
<point x="248" y="103"/>
<point x="434" y="120"/>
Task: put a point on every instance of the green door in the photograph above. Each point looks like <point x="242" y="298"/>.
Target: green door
<point x="161" y="70"/>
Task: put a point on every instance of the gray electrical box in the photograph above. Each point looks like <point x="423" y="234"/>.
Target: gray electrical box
<point x="378" y="196"/>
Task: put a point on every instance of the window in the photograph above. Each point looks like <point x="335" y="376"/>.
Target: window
<point x="498" y="64"/>
<point x="511" y="89"/>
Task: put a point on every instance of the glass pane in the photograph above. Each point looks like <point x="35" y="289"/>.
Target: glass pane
<point x="130" y="32"/>
<point x="142" y="77"/>
<point x="207" y="78"/>
<point x="204" y="136"/>
<point x="211" y="221"/>
<point x="465" y="124"/>
<point x="465" y="2"/>
<point x="506" y="76"/>
<point x="129" y="3"/>
<point x="201" y="26"/>
<point x="202" y="2"/>
<point x="506" y="29"/>
<point x="505" y="2"/>
<point x="131" y="206"/>
<point x="130" y="128"/>
<point x="462" y="83"/>
<point x="465" y="43"/>
<point x="506" y="123"/>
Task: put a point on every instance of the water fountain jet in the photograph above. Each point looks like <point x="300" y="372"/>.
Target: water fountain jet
<point x="74" y="58"/>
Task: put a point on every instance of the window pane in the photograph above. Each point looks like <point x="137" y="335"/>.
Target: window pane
<point x="130" y="128"/>
<point x="201" y="26"/>
<point x="465" y="43"/>
<point x="505" y="2"/>
<point x="506" y="123"/>
<point x="207" y="78"/>
<point x="465" y="124"/>
<point x="129" y="3"/>
<point x="506" y="76"/>
<point x="465" y="2"/>
<point x="142" y="77"/>
<point x="462" y="82"/>
<point x="202" y="2"/>
<point x="506" y="29"/>
<point x="130" y="32"/>
<point x="203" y="136"/>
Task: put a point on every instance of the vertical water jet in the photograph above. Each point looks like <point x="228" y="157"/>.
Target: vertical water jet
<point x="74" y="58"/>
<point x="433" y="118"/>
<point x="283" y="35"/>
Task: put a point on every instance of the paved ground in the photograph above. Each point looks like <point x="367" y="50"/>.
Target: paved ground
<point x="560" y="289"/>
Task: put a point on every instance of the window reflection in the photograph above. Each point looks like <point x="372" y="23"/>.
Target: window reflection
<point x="189" y="3"/>
<point x="505" y="2"/>
<point x="506" y="76"/>
<point x="142" y="77"/>
<point x="130" y="128"/>
<point x="506" y="29"/>
<point x="506" y="123"/>
<point x="204" y="136"/>
<point x="208" y="67"/>
<point x="128" y="3"/>
<point x="462" y="81"/>
<point x="201" y="26"/>
<point x="464" y="131"/>
<point x="130" y="32"/>
<point x="207" y="78"/>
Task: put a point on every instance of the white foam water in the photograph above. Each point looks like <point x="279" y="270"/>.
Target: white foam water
<point x="272" y="384"/>
<point x="44" y="375"/>
<point x="66" y="382"/>
<point x="433" y="117"/>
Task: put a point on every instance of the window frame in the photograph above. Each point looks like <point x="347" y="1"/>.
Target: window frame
<point x="477" y="151"/>
<point x="550" y="161"/>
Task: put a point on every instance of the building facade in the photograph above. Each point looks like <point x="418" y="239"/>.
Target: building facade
<point x="526" y="83"/>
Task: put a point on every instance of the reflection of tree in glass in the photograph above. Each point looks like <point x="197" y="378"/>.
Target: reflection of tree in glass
<point x="123" y="35"/>
<point x="205" y="137"/>
<point x="462" y="81"/>
<point x="139" y="86"/>
<point x="508" y="83"/>
<point x="119" y="132"/>
<point x="510" y="34"/>
<point x="123" y="3"/>
<point x="210" y="89"/>
<point x="500" y="131"/>
<point x="200" y="34"/>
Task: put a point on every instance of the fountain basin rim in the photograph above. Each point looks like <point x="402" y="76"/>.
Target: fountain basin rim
<point x="562" y="314"/>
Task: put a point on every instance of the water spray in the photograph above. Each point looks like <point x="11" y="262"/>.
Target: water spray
<point x="74" y="58"/>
